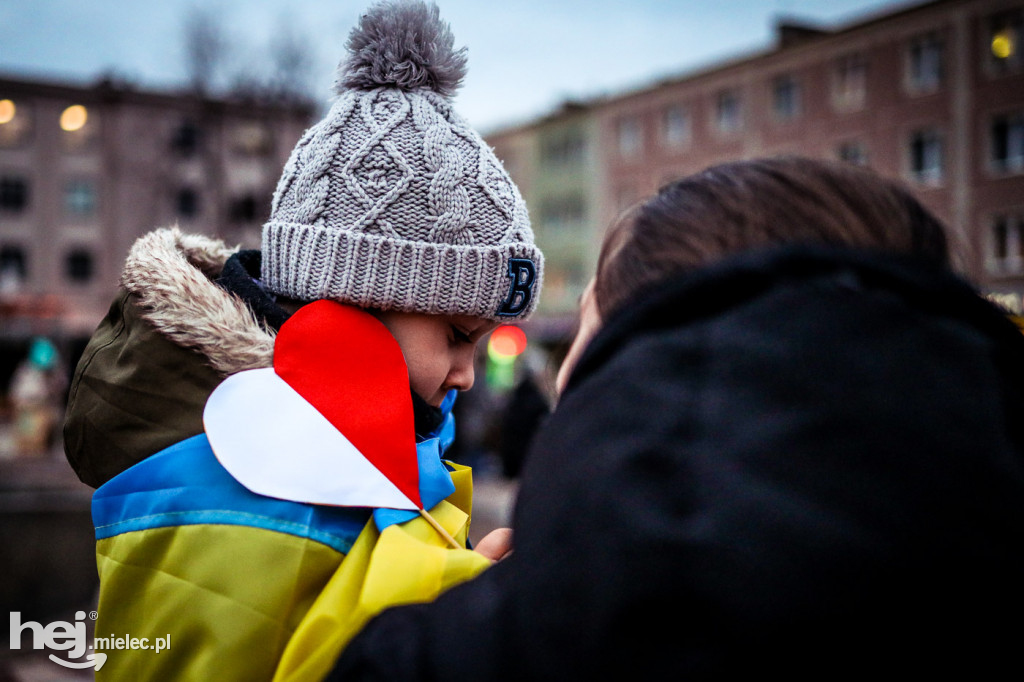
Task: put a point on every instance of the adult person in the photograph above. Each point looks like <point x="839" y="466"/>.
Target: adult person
<point x="789" y="441"/>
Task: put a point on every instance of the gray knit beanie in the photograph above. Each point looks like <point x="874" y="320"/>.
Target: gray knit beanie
<point x="392" y="201"/>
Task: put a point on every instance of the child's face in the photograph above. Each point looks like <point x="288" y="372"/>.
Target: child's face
<point x="439" y="349"/>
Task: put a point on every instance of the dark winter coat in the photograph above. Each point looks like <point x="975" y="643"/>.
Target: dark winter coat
<point x="801" y="462"/>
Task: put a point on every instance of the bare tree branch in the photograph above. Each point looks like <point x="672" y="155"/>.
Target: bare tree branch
<point x="206" y="47"/>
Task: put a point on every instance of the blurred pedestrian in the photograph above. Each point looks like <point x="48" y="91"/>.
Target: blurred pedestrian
<point x="788" y="442"/>
<point x="36" y="394"/>
<point x="527" y="407"/>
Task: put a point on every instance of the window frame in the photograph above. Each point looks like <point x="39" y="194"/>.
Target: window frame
<point x="7" y="252"/>
<point x="1012" y="163"/>
<point x="180" y="201"/>
<point x="629" y="137"/>
<point x="727" y="123"/>
<point x="850" y="82"/>
<point x="70" y="198"/>
<point x="1011" y="19"/>
<point x="927" y="176"/>
<point x="70" y="274"/>
<point x="187" y="139"/>
<point x="676" y="131"/>
<point x="1004" y="256"/>
<point x="862" y="157"/>
<point x="564" y="149"/>
<point x="791" y="85"/>
<point x="8" y="191"/>
<point x="917" y="50"/>
<point x="17" y="133"/>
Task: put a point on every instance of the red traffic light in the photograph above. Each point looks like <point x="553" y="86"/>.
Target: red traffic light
<point x="507" y="340"/>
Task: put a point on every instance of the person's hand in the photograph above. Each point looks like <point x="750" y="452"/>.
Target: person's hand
<point x="496" y="545"/>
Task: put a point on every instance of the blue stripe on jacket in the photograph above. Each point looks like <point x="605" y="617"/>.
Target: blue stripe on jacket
<point x="186" y="485"/>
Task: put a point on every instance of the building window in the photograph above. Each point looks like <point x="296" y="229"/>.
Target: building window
<point x="13" y="268"/>
<point x="630" y="137"/>
<point x="1008" y="143"/>
<point x="1006" y="245"/>
<point x="80" y="198"/>
<point x="675" y="126"/>
<point x="924" y="63"/>
<point x="563" y="211"/>
<point x="567" y="149"/>
<point x="15" y="123"/>
<point x="850" y="83"/>
<point x="245" y="209"/>
<point x="252" y="138"/>
<point x="926" y="156"/>
<point x="7" y="111"/>
<point x="853" y="152"/>
<point x="74" y="118"/>
<point x="728" y="114"/>
<point x="78" y="266"/>
<point x="78" y="128"/>
<point x="786" y="98"/>
<point x="187" y="203"/>
<point x="13" y="194"/>
<point x="1005" y="34"/>
<point x="187" y="139"/>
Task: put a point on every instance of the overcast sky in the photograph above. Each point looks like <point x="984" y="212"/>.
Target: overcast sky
<point x="525" y="56"/>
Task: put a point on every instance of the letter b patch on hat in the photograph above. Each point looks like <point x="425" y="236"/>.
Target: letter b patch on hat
<point x="522" y="274"/>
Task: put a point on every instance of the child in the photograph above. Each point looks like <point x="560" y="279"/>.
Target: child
<point x="390" y="207"/>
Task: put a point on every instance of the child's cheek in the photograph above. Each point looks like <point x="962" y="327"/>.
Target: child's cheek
<point x="427" y="378"/>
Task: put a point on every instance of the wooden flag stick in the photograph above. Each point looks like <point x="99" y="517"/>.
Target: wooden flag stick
<point x="437" y="526"/>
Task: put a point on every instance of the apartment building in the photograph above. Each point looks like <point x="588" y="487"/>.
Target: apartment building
<point x="84" y="171"/>
<point x="931" y="94"/>
<point x="554" y="161"/>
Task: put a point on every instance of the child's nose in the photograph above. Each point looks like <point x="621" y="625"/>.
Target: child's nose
<point x="461" y="375"/>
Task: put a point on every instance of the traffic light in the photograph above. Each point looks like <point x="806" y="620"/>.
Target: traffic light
<point x="504" y="346"/>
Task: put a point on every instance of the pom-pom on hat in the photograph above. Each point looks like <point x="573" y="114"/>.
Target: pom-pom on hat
<point x="392" y="201"/>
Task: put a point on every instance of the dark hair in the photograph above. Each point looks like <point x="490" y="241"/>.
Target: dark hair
<point x="743" y="205"/>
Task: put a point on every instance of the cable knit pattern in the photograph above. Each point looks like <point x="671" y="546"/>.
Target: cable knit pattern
<point x="449" y="202"/>
<point x="392" y="201"/>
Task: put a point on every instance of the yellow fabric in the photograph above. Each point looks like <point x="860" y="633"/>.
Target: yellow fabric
<point x="405" y="564"/>
<point x="229" y="597"/>
<point x="242" y="603"/>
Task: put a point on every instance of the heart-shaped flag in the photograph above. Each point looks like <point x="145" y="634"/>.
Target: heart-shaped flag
<point x="330" y="423"/>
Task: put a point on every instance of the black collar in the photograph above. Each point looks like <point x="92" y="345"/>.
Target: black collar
<point x="707" y="291"/>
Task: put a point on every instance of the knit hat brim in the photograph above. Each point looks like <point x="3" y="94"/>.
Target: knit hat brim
<point x="495" y="282"/>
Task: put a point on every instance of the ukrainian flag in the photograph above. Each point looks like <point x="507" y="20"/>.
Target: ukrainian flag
<point x="249" y="587"/>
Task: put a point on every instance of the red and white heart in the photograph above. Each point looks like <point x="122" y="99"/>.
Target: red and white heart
<point x="331" y="422"/>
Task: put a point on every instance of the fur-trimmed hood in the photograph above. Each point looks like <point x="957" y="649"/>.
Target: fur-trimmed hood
<point x="172" y="273"/>
<point x="169" y="339"/>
